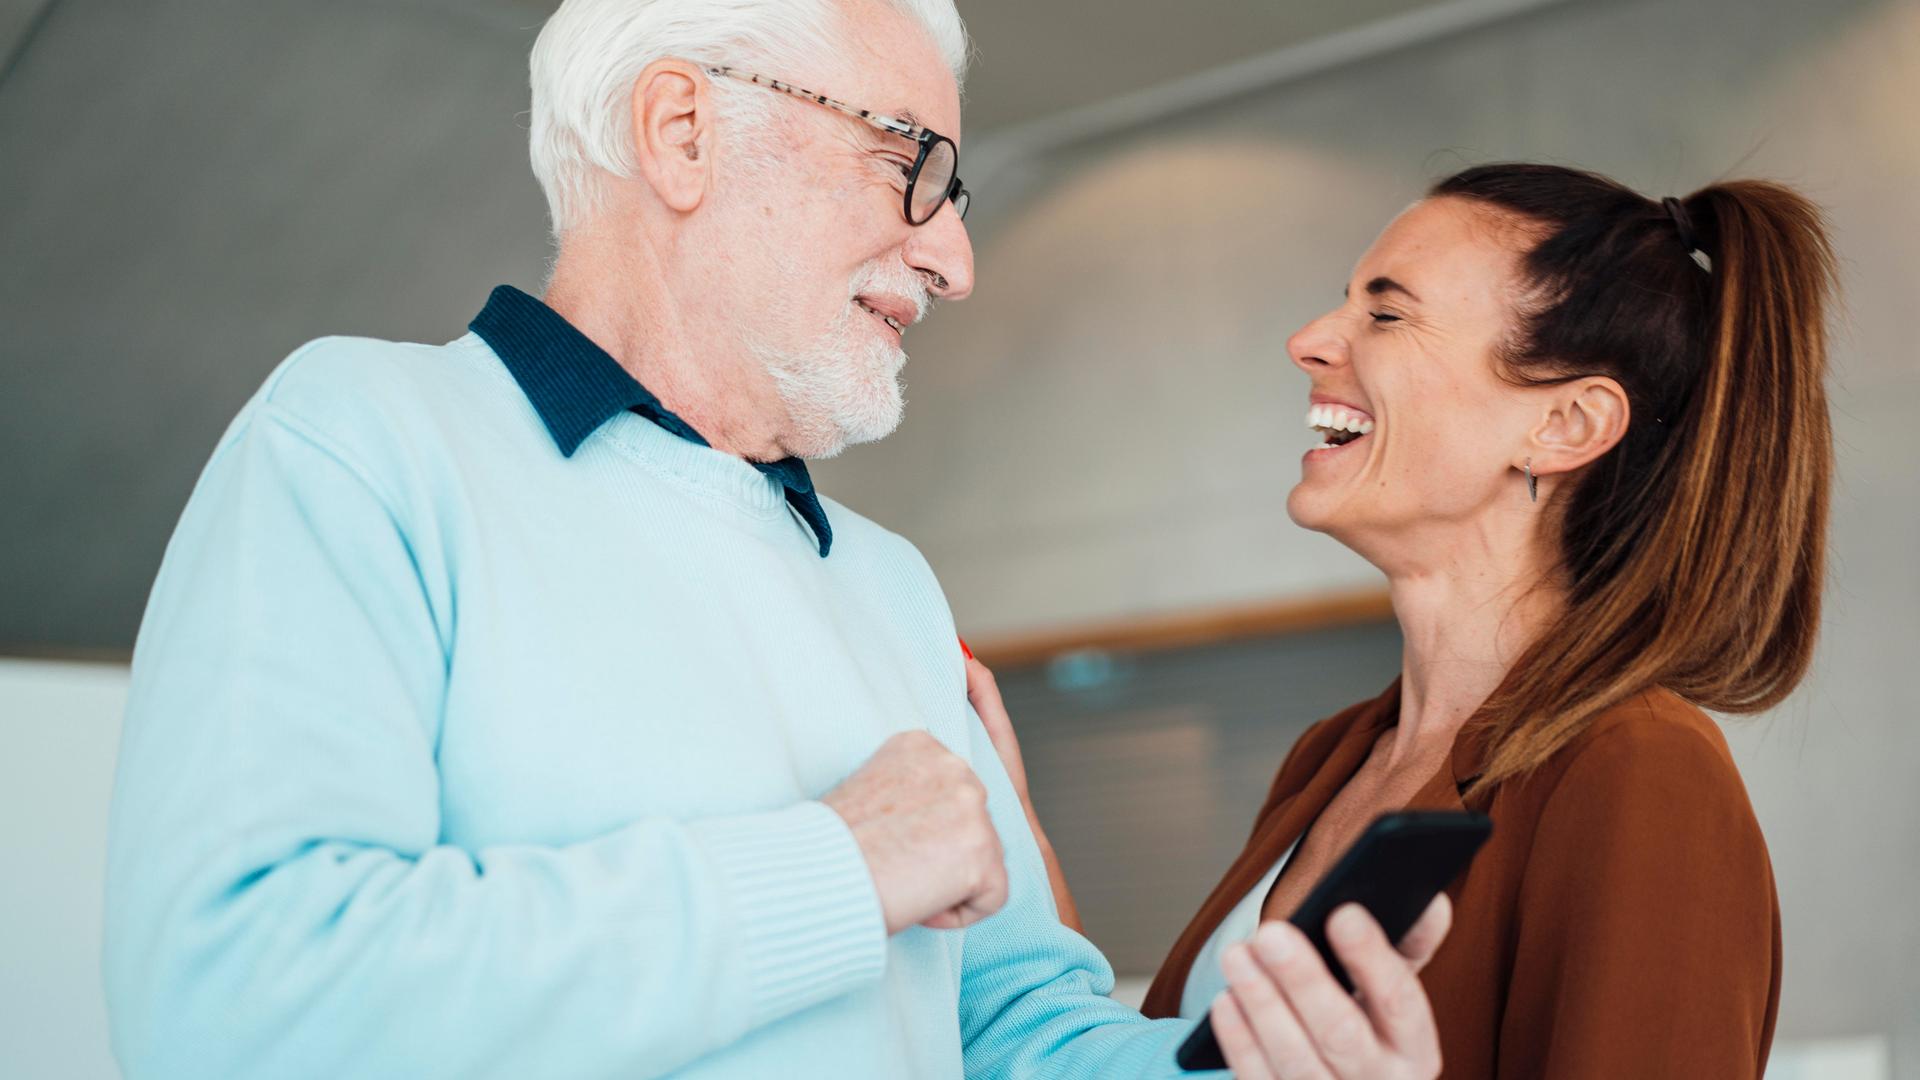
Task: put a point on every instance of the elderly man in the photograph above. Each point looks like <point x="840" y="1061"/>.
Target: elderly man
<point x="516" y="706"/>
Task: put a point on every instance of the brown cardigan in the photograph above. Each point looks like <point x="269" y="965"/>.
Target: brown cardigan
<point x="1621" y="922"/>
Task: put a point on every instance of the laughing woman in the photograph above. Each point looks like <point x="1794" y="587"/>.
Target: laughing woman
<point x="1585" y="436"/>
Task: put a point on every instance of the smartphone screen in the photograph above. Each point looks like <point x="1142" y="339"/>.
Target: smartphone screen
<point x="1394" y="870"/>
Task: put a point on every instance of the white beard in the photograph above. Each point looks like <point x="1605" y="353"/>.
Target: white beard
<point x="844" y="387"/>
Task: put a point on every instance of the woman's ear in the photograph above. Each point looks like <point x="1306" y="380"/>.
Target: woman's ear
<point x="1584" y="419"/>
<point x="673" y="132"/>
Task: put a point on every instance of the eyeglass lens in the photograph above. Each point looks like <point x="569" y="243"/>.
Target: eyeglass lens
<point x="936" y="177"/>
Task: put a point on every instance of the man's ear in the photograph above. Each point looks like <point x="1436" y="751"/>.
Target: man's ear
<point x="1584" y="419"/>
<point x="673" y="132"/>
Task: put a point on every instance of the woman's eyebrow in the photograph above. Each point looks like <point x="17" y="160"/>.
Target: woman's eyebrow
<point x="1381" y="285"/>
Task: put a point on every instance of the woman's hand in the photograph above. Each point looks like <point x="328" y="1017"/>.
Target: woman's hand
<point x="1283" y="1017"/>
<point x="984" y="694"/>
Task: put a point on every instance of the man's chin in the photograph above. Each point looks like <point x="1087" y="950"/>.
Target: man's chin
<point x="854" y="427"/>
<point x="823" y="425"/>
<point x="834" y="404"/>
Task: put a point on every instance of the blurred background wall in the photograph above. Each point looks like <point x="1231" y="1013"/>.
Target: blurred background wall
<point x="1099" y="441"/>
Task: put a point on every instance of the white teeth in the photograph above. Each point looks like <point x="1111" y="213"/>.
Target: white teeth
<point x="898" y="326"/>
<point x="1338" y="418"/>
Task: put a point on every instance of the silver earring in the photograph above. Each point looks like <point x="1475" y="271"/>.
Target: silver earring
<point x="1533" y="485"/>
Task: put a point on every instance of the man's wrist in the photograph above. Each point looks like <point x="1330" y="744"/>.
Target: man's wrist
<point x="800" y="891"/>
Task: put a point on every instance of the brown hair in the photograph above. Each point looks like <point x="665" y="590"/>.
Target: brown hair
<point x="1693" y="551"/>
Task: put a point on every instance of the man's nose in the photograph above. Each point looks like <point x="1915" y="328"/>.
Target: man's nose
<point x="942" y="250"/>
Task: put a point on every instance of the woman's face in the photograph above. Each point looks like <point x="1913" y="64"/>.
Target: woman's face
<point x="1407" y="361"/>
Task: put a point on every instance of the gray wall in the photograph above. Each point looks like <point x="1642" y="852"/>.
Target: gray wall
<point x="188" y="190"/>
<point x="1110" y="424"/>
<point x="1147" y="769"/>
<point x="59" y="730"/>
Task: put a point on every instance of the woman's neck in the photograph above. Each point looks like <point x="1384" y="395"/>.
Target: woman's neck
<point x="1464" y="625"/>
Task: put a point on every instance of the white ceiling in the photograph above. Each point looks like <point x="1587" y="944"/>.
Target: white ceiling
<point x="1035" y="59"/>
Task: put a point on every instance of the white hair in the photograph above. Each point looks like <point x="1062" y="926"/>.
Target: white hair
<point x="590" y="53"/>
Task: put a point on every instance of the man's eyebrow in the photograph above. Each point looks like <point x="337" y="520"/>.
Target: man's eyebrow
<point x="908" y="116"/>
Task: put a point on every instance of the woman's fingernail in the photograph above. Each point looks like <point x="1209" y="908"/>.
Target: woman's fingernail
<point x="964" y="649"/>
<point x="1235" y="963"/>
<point x="1274" y="942"/>
<point x="1348" y="924"/>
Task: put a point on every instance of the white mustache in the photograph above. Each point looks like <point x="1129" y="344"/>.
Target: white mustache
<point x="892" y="277"/>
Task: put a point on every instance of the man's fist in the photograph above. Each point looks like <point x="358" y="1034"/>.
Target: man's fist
<point x="919" y="815"/>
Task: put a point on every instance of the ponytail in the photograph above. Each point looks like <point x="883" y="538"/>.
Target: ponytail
<point x="1751" y="523"/>
<point x="1693" y="551"/>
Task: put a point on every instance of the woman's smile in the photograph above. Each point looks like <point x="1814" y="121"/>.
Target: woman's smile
<point x="1340" y="425"/>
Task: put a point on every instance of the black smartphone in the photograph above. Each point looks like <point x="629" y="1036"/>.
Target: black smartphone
<point x="1394" y="870"/>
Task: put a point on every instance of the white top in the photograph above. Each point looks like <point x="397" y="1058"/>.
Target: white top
<point x="1205" y="980"/>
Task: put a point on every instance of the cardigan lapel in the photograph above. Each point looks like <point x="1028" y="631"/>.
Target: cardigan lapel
<point x="1280" y="824"/>
<point x="1288" y="815"/>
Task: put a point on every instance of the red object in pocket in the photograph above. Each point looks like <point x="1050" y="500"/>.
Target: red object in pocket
<point x="964" y="649"/>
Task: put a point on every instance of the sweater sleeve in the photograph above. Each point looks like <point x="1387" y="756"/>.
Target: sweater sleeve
<point x="1649" y="940"/>
<point x="1033" y="998"/>
<point x="280" y="900"/>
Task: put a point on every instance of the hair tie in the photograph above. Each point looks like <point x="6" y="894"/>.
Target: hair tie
<point x="1683" y="222"/>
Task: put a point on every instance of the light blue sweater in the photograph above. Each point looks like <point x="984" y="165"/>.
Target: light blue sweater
<point x="447" y="755"/>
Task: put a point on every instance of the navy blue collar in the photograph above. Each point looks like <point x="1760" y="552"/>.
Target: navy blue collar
<point x="576" y="387"/>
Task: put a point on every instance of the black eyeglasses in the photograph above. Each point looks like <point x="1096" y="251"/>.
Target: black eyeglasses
<point x="935" y="176"/>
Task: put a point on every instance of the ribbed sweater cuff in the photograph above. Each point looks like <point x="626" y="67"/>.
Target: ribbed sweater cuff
<point x="804" y="904"/>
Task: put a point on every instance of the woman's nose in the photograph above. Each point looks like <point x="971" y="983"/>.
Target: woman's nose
<point x="1318" y="345"/>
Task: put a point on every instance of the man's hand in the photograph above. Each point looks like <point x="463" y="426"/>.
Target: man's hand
<point x="919" y="815"/>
